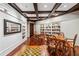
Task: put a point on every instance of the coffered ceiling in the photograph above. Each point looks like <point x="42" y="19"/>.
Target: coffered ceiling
<point x="45" y="6"/>
<point x="65" y="6"/>
<point x="25" y="6"/>
<point x="42" y="11"/>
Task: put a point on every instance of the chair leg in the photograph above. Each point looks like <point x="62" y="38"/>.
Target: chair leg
<point x="73" y="51"/>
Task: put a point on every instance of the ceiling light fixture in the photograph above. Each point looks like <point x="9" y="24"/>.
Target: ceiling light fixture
<point x="55" y="14"/>
<point x="45" y="6"/>
<point x="65" y="6"/>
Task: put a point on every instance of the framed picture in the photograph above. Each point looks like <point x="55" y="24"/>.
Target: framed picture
<point x="11" y="27"/>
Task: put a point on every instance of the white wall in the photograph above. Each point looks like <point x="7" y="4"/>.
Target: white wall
<point x="28" y="29"/>
<point x="69" y="24"/>
<point x="70" y="28"/>
<point x="10" y="42"/>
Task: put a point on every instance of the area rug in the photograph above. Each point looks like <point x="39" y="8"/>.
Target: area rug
<point x="32" y="51"/>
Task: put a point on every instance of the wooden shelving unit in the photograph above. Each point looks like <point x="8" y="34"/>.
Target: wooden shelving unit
<point x="50" y="28"/>
<point x="42" y="28"/>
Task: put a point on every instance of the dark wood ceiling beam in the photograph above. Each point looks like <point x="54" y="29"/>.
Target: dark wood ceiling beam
<point x="74" y="8"/>
<point x="33" y="12"/>
<point x="32" y="20"/>
<point x="36" y="10"/>
<point x="17" y="8"/>
<point x="54" y="9"/>
<point x="36" y="17"/>
<point x="39" y="12"/>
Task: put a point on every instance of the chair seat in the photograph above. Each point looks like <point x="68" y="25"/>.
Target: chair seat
<point x="70" y="42"/>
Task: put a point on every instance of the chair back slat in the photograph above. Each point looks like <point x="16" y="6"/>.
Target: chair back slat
<point x="74" y="41"/>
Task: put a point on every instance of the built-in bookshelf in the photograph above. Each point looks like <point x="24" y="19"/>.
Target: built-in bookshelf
<point x="50" y="28"/>
<point x="42" y="28"/>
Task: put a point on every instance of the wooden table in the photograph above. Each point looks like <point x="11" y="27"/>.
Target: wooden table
<point x="59" y="46"/>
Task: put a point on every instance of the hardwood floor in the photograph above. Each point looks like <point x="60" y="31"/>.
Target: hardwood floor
<point x="39" y="50"/>
<point x="35" y="50"/>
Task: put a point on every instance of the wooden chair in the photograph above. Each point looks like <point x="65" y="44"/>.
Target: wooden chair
<point x="42" y="40"/>
<point x="34" y="40"/>
<point x="73" y="43"/>
<point x="62" y="48"/>
<point x="61" y="35"/>
<point x="71" y="46"/>
<point x="51" y="42"/>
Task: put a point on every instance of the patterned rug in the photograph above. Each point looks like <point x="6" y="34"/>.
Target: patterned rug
<point x="32" y="51"/>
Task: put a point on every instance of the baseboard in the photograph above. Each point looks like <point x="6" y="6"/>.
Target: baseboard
<point x="16" y="49"/>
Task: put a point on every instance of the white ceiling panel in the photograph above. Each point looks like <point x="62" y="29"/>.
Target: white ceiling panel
<point x="33" y="19"/>
<point x="26" y="6"/>
<point x="65" y="6"/>
<point x="43" y="15"/>
<point x="31" y="15"/>
<point x="45" y="6"/>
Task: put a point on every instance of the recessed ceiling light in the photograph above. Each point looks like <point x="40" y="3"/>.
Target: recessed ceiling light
<point x="45" y="6"/>
<point x="65" y="6"/>
<point x="55" y="14"/>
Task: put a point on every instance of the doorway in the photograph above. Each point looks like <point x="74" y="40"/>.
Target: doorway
<point x="31" y="29"/>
